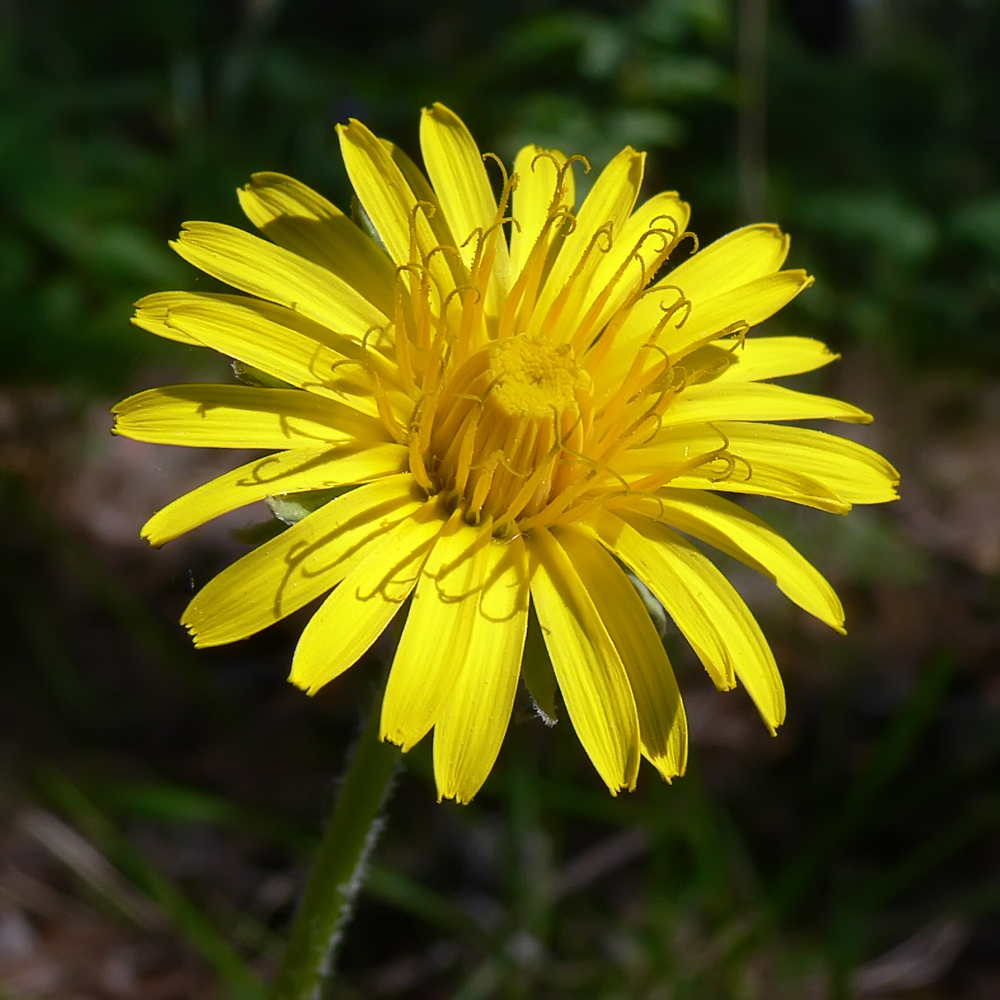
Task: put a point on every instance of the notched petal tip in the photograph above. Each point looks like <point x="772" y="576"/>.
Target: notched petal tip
<point x="302" y="683"/>
<point x="189" y="620"/>
<point x="772" y="228"/>
<point x="666" y="772"/>
<point x="725" y="682"/>
<point x="149" y="533"/>
<point x="353" y="127"/>
<point x="396" y="739"/>
<point x="628" y="785"/>
<point x="778" y="717"/>
<point x="147" y="301"/>
<point x="456" y="795"/>
<point x="198" y="637"/>
<point x="265" y="178"/>
<point x="441" y="111"/>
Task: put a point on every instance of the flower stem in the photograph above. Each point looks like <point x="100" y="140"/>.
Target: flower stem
<point x="339" y="868"/>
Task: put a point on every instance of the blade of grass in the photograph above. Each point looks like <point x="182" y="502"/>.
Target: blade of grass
<point x="892" y="752"/>
<point x="177" y="804"/>
<point x="978" y="821"/>
<point x="411" y="897"/>
<point x="241" y="983"/>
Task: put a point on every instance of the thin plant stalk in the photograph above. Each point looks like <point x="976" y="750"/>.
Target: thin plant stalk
<point x="339" y="867"/>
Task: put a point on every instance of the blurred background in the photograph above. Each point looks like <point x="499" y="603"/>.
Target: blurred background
<point x="159" y="805"/>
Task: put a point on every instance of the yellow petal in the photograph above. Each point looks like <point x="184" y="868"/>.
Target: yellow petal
<point x="298" y="219"/>
<point x="352" y="382"/>
<point x="757" y="401"/>
<point x="260" y="268"/>
<point x="592" y="679"/>
<point x="243" y="331"/>
<point x="703" y="604"/>
<point x="761" y="358"/>
<point x="422" y="191"/>
<point x="437" y="631"/>
<point x="792" y="463"/>
<point x="456" y="169"/>
<point x="662" y="723"/>
<point x="390" y="201"/>
<point x="234" y="416"/>
<point x="610" y="201"/>
<point x="690" y="455"/>
<point x="698" y="612"/>
<point x="151" y="313"/>
<point x="853" y="472"/>
<point x="471" y="727"/>
<point x="537" y="172"/>
<point x="360" y="608"/>
<point x="274" y="475"/>
<point x="749" y="304"/>
<point x="303" y="562"/>
<point x="636" y="251"/>
<point x="736" y="259"/>
<point x="288" y="347"/>
<point x="746" y="537"/>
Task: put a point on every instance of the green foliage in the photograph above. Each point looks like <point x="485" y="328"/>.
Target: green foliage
<point x="884" y="164"/>
<point x="119" y="121"/>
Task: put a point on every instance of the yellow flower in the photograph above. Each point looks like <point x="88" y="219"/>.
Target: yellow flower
<point x="524" y="407"/>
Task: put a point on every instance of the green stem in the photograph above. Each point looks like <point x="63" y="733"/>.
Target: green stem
<point x="339" y="869"/>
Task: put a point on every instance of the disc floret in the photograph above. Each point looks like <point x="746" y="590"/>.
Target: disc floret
<point x="506" y="417"/>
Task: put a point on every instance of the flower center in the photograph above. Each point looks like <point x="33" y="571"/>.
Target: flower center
<point x="533" y="379"/>
<point x="510" y="425"/>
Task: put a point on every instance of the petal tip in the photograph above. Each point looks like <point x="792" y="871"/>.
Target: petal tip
<point x="395" y="738"/>
<point x="296" y="679"/>
<point x="439" y="110"/>
<point x="148" y="532"/>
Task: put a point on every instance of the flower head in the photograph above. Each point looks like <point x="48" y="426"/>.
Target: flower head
<point x="515" y="400"/>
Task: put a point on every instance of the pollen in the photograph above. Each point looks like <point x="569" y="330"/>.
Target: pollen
<point x="534" y="378"/>
<point x="507" y="420"/>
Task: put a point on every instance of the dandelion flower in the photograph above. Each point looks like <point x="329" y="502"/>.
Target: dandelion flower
<point x="515" y="399"/>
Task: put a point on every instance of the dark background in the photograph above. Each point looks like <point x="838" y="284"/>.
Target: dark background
<point x="159" y="805"/>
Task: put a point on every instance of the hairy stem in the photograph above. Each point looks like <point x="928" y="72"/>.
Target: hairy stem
<point x="339" y="868"/>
